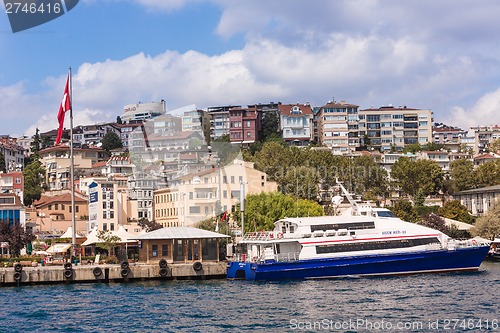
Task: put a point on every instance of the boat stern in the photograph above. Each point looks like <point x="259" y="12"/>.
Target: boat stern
<point x="241" y="270"/>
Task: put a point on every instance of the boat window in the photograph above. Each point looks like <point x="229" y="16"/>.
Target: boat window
<point x="381" y="245"/>
<point x="277" y="248"/>
<point x="283" y="229"/>
<point x="292" y="229"/>
<point x="348" y="226"/>
<point x="385" y="213"/>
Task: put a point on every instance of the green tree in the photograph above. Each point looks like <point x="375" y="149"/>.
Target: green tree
<point x="270" y="126"/>
<point x="494" y="146"/>
<point x="111" y="141"/>
<point x="34" y="181"/>
<point x="107" y="240"/>
<point x="301" y="181"/>
<point x="412" y="148"/>
<point x="405" y="211"/>
<point x="421" y="175"/>
<point x="462" y="175"/>
<point x="262" y="210"/>
<point x="15" y="235"/>
<point x="488" y="226"/>
<point x="273" y="159"/>
<point x="488" y="174"/>
<point x="453" y="209"/>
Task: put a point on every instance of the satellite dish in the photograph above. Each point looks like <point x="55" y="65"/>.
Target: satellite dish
<point x="337" y="200"/>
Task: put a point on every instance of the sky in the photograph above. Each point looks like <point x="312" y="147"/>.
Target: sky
<point x="440" y="55"/>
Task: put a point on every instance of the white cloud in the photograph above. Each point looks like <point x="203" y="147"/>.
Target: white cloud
<point x="486" y="111"/>
<point x="166" y="5"/>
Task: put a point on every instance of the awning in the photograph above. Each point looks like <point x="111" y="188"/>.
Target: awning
<point x="59" y="248"/>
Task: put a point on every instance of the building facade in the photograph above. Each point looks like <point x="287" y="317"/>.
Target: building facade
<point x="244" y="125"/>
<point x="296" y="122"/>
<point x="391" y="128"/>
<point x="338" y="126"/>
<point x="143" y="111"/>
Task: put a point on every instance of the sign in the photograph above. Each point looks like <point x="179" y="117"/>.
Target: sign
<point x="93" y="206"/>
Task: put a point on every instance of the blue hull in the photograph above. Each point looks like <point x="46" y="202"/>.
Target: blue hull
<point x="463" y="259"/>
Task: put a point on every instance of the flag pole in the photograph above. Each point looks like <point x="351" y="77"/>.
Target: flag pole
<point x="72" y="166"/>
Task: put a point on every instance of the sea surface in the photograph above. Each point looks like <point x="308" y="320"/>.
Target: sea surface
<point x="453" y="302"/>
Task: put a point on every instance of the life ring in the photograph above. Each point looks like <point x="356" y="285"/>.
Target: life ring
<point x="124" y="272"/>
<point x="68" y="273"/>
<point x="67" y="265"/>
<point x="474" y="242"/>
<point x="17" y="276"/>
<point x="163" y="263"/>
<point x="97" y="271"/>
<point x="197" y="266"/>
<point x="18" y="267"/>
<point x="163" y="271"/>
<point x="124" y="265"/>
<point x="279" y="235"/>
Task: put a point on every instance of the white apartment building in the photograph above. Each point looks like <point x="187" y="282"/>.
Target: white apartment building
<point x="338" y="126"/>
<point x="296" y="122"/>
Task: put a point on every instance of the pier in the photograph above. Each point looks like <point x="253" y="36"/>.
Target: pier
<point x="124" y="272"/>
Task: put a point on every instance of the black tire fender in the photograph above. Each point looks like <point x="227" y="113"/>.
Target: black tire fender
<point x="197" y="266"/>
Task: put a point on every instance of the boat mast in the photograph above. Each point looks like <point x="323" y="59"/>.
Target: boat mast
<point x="354" y="204"/>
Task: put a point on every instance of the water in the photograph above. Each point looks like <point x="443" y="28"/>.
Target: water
<point x="455" y="302"/>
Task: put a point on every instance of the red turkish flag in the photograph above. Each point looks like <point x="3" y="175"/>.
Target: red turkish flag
<point x="65" y="106"/>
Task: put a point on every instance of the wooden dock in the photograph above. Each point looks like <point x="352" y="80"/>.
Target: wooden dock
<point x="22" y="275"/>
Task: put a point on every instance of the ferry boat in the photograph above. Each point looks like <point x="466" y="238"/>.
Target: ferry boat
<point x="367" y="242"/>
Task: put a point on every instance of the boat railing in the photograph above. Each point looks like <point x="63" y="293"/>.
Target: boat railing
<point x="259" y="236"/>
<point x="283" y="257"/>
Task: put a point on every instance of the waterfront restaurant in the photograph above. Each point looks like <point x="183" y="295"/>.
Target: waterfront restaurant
<point x="179" y="245"/>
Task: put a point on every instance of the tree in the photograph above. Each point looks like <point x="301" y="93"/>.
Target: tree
<point x="34" y="181"/>
<point x="494" y="146"/>
<point x="111" y="141"/>
<point x="149" y="225"/>
<point x="119" y="120"/>
<point x="15" y="235"/>
<point x="421" y="175"/>
<point x="453" y="209"/>
<point x="107" y="240"/>
<point x="262" y="210"/>
<point x="462" y="175"/>
<point x="434" y="221"/>
<point x="2" y="163"/>
<point x="273" y="159"/>
<point x="405" y="211"/>
<point x="301" y="181"/>
<point x="270" y="126"/>
<point x="412" y="148"/>
<point x="488" y="174"/>
<point x="488" y="226"/>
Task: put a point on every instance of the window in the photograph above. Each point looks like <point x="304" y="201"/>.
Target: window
<point x="56" y="206"/>
<point x="62" y="207"/>
<point x="77" y="209"/>
<point x="111" y="226"/>
<point x="154" y="249"/>
<point x="194" y="210"/>
<point x="49" y="207"/>
<point x="164" y="250"/>
<point x="104" y="226"/>
<point x="232" y="179"/>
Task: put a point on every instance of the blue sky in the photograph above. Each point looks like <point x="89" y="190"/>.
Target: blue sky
<point x="442" y="55"/>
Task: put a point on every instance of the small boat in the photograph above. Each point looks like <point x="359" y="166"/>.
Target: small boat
<point x="371" y="242"/>
<point x="494" y="252"/>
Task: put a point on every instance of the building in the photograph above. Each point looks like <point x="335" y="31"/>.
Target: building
<point x="93" y="134"/>
<point x="197" y="120"/>
<point x="296" y="123"/>
<point x="143" y="111"/>
<point x="57" y="163"/>
<point x="54" y="211"/>
<point x="338" y="126"/>
<point x="448" y="136"/>
<point x="442" y="158"/>
<point x="484" y="158"/>
<point x="168" y="207"/>
<point x="12" y="182"/>
<point x="25" y="142"/>
<point x="126" y="131"/>
<point x="478" y="200"/>
<point x="244" y="125"/>
<point x="12" y="209"/>
<point x="391" y="128"/>
<point x="13" y="153"/>
<point x="219" y="120"/>
<point x="483" y="136"/>
<point x="180" y="245"/>
<point x="108" y="201"/>
<point x="195" y="196"/>
<point x="141" y="187"/>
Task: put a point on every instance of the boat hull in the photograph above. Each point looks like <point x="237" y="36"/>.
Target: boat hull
<point x="462" y="259"/>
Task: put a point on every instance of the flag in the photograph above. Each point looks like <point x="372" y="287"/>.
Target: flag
<point x="65" y="106"/>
